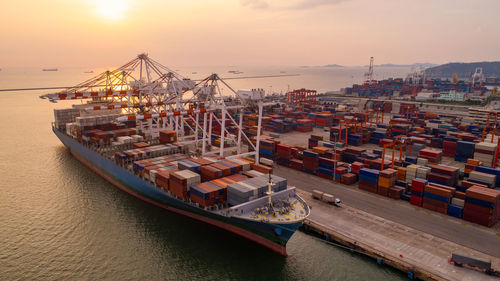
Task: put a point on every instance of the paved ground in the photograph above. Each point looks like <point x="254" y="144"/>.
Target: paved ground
<point x="404" y="247"/>
<point x="483" y="239"/>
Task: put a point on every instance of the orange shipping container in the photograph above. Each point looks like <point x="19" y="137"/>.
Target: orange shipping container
<point x="401" y="174"/>
<point x="261" y="168"/>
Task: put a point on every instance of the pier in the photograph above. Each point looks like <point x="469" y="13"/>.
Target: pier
<point x="420" y="255"/>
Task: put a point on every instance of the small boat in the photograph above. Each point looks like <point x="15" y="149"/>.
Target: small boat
<point x="50" y="69"/>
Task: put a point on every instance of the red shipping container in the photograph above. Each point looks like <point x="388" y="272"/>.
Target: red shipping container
<point x="418" y="185"/>
<point x="238" y="177"/>
<point x="430" y="152"/>
<point x="226" y="171"/>
<point x="237" y="167"/>
<point x="485" y="194"/>
<point x="163" y="178"/>
<point x="325" y="176"/>
<point x="479" y="209"/>
<point x="355" y="150"/>
<point x="340" y="170"/>
<point x="474" y="217"/>
<point x="356" y="167"/>
<point x="382" y="190"/>
<point x="261" y="168"/>
<point x="348" y="178"/>
<point x="416" y="200"/>
<point x="367" y="186"/>
<point x="316" y="137"/>
<point x="296" y="164"/>
<point x="468" y="184"/>
<point x="208" y="173"/>
<point x="395" y="192"/>
<point x="200" y="161"/>
<point x="178" y="189"/>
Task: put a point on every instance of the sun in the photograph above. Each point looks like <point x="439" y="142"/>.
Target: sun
<point x="112" y="9"/>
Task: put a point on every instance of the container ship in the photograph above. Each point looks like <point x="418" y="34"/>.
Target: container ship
<point x="181" y="145"/>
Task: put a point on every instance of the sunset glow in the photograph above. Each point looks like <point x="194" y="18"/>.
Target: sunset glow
<point x="112" y="9"/>
<point x="248" y="32"/>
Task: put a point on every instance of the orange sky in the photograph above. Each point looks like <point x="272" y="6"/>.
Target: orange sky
<point x="95" y="33"/>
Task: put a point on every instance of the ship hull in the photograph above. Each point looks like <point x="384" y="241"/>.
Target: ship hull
<point x="272" y="236"/>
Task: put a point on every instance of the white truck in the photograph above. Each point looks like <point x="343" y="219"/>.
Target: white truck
<point x="326" y="197"/>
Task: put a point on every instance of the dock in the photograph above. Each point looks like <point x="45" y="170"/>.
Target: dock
<point x="416" y="253"/>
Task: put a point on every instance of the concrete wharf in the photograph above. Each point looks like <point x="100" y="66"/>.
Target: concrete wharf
<point x="419" y="254"/>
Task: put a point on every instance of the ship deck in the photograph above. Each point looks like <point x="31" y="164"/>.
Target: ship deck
<point x="288" y="207"/>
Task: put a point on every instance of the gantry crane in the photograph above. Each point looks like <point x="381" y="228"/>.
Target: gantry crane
<point x="398" y="143"/>
<point x="369" y="73"/>
<point x="349" y="123"/>
<point x="301" y="97"/>
<point x="157" y="98"/>
<point x="488" y="127"/>
<point x="369" y="113"/>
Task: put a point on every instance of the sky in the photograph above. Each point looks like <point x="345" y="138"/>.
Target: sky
<point x="99" y="33"/>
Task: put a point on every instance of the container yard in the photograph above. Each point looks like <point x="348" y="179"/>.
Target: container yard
<point x="427" y="159"/>
<point x="227" y="163"/>
<point x="415" y="86"/>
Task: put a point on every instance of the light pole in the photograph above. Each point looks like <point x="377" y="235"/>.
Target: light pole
<point x="334" y="159"/>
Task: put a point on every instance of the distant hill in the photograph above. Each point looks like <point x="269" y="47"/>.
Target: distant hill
<point x="425" y="65"/>
<point x="490" y="69"/>
<point x="333" y="65"/>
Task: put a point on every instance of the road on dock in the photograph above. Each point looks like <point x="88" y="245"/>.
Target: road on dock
<point x="455" y="230"/>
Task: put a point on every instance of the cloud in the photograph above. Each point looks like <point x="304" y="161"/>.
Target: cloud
<point x="288" y="5"/>
<point x="255" y="4"/>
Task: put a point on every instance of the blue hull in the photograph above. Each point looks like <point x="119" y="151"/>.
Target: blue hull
<point x="273" y="236"/>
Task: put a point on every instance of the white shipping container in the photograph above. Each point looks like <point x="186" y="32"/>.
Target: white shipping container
<point x="457" y="202"/>
<point x="328" y="198"/>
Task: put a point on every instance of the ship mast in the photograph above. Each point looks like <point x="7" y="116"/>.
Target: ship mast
<point x="270" y="192"/>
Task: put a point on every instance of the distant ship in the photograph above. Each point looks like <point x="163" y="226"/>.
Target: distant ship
<point x="50" y="69"/>
<point x="235" y="71"/>
<point x="91" y="71"/>
<point x="194" y="72"/>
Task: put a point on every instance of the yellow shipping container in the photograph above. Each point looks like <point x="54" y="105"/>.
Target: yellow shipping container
<point x="320" y="149"/>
